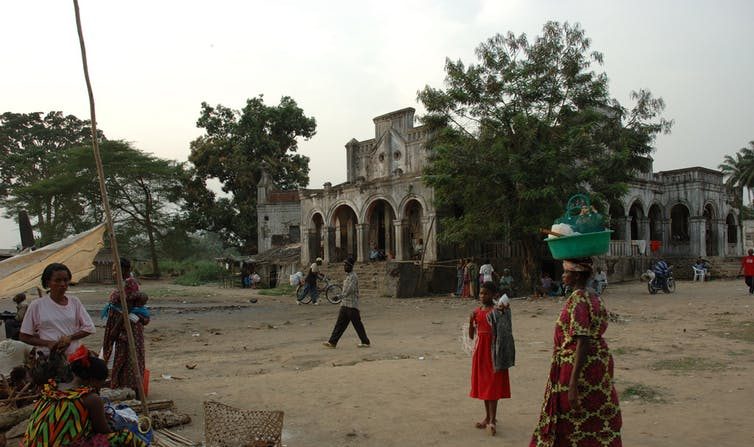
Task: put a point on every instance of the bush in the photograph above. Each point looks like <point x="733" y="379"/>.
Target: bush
<point x="194" y="273"/>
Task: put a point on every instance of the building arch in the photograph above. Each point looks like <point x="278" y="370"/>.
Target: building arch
<point x="413" y="227"/>
<point x="370" y="201"/>
<point x="342" y="241"/>
<point x="679" y="222"/>
<point x="636" y="219"/>
<point x="402" y="206"/>
<point x="656" y="221"/>
<point x="316" y="234"/>
<point x="378" y="216"/>
<point x="732" y="228"/>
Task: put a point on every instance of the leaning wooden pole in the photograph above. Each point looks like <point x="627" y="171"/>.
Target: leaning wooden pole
<point x="109" y="219"/>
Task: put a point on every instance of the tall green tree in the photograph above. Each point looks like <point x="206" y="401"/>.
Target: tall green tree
<point x="236" y="148"/>
<point x="530" y="124"/>
<point x="145" y="191"/>
<point x="33" y="146"/>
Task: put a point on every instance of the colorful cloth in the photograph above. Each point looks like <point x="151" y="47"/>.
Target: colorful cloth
<point x="486" y="384"/>
<point x="598" y="423"/>
<point x="49" y="320"/>
<point x="115" y="337"/>
<point x="61" y="419"/>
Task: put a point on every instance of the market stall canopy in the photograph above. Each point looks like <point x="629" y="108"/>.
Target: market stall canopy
<point x="22" y="272"/>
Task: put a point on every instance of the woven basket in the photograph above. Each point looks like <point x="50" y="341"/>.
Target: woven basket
<point x="225" y="426"/>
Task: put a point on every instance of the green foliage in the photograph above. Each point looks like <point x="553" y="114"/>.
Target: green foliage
<point x="193" y="273"/>
<point x="739" y="174"/>
<point x="236" y="148"/>
<point x="280" y="290"/>
<point x="642" y="392"/>
<point x="33" y="147"/>
<point x="688" y="364"/>
<point x="529" y="125"/>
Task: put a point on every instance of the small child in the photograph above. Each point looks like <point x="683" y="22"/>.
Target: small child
<point x="487" y="383"/>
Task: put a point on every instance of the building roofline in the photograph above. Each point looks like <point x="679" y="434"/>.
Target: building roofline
<point x="394" y="113"/>
<point x="693" y="168"/>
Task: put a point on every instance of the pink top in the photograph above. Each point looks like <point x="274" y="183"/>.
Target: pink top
<point x="49" y="320"/>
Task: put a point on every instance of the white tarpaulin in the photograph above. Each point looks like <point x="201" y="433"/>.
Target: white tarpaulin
<point x="23" y="272"/>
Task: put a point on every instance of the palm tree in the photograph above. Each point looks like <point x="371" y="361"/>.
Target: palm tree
<point x="739" y="170"/>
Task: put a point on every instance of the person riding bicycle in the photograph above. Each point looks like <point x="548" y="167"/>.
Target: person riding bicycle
<point x="310" y="283"/>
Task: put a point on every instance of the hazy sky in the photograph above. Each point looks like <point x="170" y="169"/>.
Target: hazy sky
<point x="153" y="62"/>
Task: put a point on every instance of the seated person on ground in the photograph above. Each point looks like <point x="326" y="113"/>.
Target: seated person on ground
<point x="376" y="254"/>
<point x="546" y="285"/>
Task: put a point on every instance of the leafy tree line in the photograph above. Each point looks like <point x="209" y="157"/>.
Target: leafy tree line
<point x="161" y="207"/>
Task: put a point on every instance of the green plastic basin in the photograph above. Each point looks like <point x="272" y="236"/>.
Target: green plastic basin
<point x="580" y="245"/>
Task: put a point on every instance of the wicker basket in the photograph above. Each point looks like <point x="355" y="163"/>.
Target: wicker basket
<point x="225" y="426"/>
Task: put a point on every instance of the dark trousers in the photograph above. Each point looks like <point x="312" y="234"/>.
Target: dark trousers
<point x="348" y="315"/>
<point x="750" y="282"/>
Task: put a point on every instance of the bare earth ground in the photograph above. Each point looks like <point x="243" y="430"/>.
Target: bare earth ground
<point x="683" y="365"/>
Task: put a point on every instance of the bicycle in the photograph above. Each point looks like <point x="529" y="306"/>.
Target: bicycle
<point x="333" y="292"/>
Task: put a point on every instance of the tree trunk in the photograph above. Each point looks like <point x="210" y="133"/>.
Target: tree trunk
<point x="530" y="262"/>
<point x="152" y="248"/>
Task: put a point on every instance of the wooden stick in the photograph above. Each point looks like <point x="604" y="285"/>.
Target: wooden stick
<point x="108" y="214"/>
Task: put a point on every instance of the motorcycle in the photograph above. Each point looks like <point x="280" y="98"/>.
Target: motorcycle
<point x="656" y="283"/>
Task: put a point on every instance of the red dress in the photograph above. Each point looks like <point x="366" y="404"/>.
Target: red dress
<point x="486" y="384"/>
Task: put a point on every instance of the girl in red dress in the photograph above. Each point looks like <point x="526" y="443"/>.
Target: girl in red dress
<point x="486" y="384"/>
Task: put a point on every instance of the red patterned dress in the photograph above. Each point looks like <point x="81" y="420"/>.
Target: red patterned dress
<point x="115" y="340"/>
<point x="486" y="384"/>
<point x="598" y="423"/>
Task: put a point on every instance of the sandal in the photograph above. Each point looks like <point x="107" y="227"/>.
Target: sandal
<point x="493" y="428"/>
<point x="481" y="425"/>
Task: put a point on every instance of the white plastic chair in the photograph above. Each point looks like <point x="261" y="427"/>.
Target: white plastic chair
<point x="699" y="274"/>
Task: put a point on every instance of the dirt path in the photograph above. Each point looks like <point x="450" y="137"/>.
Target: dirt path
<point x="683" y="365"/>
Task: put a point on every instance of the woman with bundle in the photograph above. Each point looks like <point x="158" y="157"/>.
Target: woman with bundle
<point x="116" y="339"/>
<point x="580" y="405"/>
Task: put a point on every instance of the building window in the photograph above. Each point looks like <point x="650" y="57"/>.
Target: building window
<point x="294" y="233"/>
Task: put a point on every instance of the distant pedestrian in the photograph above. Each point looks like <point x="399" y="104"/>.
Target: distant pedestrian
<point x="473" y="269"/>
<point x="487" y="272"/>
<point x="349" y="309"/>
<point x="747" y="266"/>
<point x="310" y="284"/>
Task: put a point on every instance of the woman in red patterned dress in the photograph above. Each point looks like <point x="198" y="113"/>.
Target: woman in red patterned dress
<point x="486" y="384"/>
<point x="580" y="406"/>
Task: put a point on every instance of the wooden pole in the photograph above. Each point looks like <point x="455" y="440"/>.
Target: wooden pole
<point x="109" y="218"/>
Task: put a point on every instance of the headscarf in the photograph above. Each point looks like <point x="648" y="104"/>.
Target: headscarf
<point x="578" y="265"/>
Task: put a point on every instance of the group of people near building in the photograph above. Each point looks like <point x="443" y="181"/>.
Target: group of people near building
<point x="53" y="329"/>
<point x="470" y="277"/>
<point x="580" y="405"/>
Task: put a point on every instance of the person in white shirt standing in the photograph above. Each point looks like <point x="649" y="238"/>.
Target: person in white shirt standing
<point x="58" y="320"/>
<point x="487" y="271"/>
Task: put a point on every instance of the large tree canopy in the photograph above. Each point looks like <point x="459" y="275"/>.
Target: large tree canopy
<point x="33" y="146"/>
<point x="526" y="127"/>
<point x="236" y="148"/>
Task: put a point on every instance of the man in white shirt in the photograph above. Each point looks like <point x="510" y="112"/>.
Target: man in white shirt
<point x="486" y="271"/>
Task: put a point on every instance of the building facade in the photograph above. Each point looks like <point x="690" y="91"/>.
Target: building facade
<point x="683" y="212"/>
<point x="382" y="206"/>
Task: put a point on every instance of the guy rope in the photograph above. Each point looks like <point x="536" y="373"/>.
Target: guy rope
<point x="145" y="423"/>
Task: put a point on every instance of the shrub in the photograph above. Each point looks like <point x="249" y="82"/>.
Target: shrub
<point x="194" y="273"/>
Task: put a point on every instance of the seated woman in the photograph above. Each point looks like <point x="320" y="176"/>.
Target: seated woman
<point x="58" y="320"/>
<point x="76" y="417"/>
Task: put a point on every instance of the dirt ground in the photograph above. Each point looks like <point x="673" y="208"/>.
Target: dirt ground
<point x="683" y="365"/>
